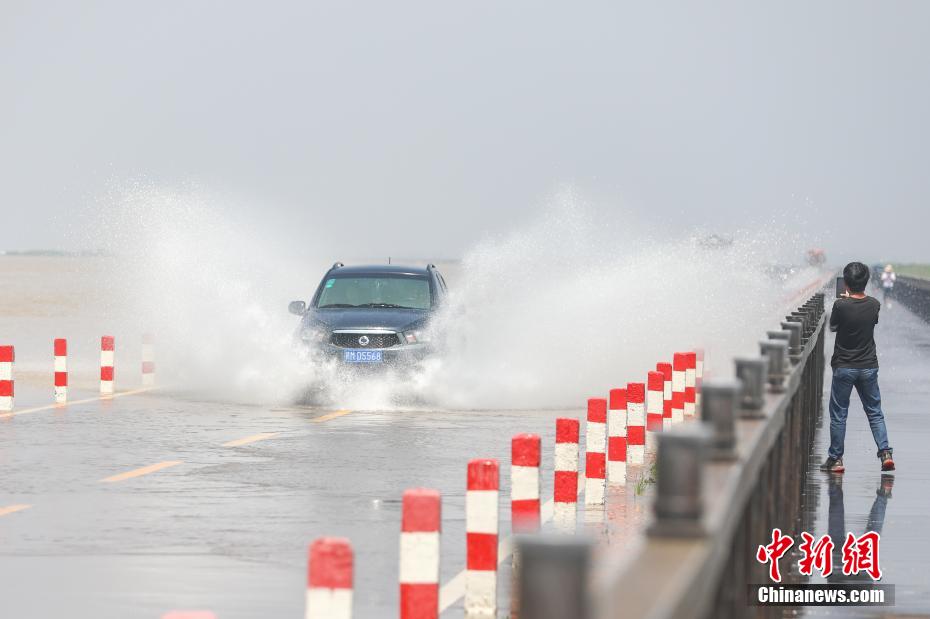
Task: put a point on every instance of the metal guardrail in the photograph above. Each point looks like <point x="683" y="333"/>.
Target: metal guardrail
<point x="722" y="486"/>
<point x="914" y="293"/>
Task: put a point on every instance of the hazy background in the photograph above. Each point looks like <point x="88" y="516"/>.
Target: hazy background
<point x="416" y="127"/>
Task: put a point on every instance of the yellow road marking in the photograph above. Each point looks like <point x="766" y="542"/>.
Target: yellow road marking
<point x="39" y="409"/>
<point x="329" y="416"/>
<point x="12" y="509"/>
<point x="145" y="470"/>
<point x="251" y="439"/>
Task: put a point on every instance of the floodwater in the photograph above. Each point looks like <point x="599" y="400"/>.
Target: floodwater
<point x="225" y="526"/>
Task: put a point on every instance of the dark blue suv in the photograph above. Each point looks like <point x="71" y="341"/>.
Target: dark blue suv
<point x="370" y="315"/>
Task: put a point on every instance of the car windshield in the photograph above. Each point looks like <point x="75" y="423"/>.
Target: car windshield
<point x="408" y="292"/>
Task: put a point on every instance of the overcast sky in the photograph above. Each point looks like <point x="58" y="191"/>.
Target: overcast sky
<point x="416" y="127"/>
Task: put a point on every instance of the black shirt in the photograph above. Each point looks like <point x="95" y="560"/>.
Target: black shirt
<point x="854" y="321"/>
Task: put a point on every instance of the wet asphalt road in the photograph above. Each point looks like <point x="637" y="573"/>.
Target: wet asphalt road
<point x="862" y="498"/>
<point x="226" y="529"/>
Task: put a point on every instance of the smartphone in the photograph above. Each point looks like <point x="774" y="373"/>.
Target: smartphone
<point x="840" y="287"/>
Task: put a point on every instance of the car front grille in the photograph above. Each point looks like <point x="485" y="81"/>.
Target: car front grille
<point x="375" y="340"/>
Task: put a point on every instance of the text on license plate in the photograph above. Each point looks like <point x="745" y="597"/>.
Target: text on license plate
<point x="363" y="356"/>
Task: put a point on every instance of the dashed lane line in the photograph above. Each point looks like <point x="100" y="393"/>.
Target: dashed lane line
<point x="12" y="509"/>
<point x="39" y="409"/>
<point x="262" y="436"/>
<point x="329" y="416"/>
<point x="145" y="470"/>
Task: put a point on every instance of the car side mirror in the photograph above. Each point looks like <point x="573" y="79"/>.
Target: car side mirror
<point x="298" y="308"/>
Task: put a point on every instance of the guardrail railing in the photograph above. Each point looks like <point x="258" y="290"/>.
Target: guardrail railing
<point x="722" y="486"/>
<point x="914" y="293"/>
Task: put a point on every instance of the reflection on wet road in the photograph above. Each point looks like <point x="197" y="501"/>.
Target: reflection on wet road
<point x="863" y="498"/>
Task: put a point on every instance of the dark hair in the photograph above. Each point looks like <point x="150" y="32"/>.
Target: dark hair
<point x="856" y="276"/>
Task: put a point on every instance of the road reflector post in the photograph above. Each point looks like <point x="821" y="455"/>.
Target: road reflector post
<point x="7" y="356"/>
<point x="655" y="396"/>
<point x="525" y="453"/>
<point x="107" y="351"/>
<point x="636" y="423"/>
<point x="329" y="579"/>
<point x="419" y="554"/>
<point x="148" y="360"/>
<point x="565" y="479"/>
<point x="690" y="384"/>
<point x="666" y="369"/>
<point x="616" y="437"/>
<point x="481" y="533"/>
<point x="698" y="377"/>
<point x="60" y="350"/>
<point x="679" y="369"/>
<point x="595" y="452"/>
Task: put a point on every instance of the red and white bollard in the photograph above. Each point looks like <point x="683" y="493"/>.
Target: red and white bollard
<point x="61" y="370"/>
<point x="481" y="530"/>
<point x="595" y="452"/>
<point x="7" y="355"/>
<point x="565" y="491"/>
<point x="690" y="384"/>
<point x="616" y="437"/>
<point x="666" y="369"/>
<point x="636" y="423"/>
<point x="679" y="370"/>
<point x="698" y="378"/>
<point x="148" y="360"/>
<point x="107" y="350"/>
<point x="525" y="450"/>
<point x="419" y="554"/>
<point x="655" y="396"/>
<point x="329" y="579"/>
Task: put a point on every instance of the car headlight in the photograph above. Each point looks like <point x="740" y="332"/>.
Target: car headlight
<point x="416" y="336"/>
<point x="313" y="335"/>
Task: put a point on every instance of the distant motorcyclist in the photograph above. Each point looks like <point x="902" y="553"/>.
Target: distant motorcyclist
<point x="888" y="279"/>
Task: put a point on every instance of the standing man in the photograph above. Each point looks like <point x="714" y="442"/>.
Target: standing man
<point x="855" y="364"/>
<point x="888" y="279"/>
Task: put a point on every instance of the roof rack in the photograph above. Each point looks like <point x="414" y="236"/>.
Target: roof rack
<point x="430" y="266"/>
<point x="336" y="265"/>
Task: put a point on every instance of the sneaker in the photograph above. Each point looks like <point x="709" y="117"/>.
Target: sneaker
<point x="887" y="461"/>
<point x="833" y="465"/>
<point x="887" y="484"/>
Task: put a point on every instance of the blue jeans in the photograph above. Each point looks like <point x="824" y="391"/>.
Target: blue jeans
<point x="866" y="384"/>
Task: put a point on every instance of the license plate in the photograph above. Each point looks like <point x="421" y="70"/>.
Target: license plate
<point x="363" y="356"/>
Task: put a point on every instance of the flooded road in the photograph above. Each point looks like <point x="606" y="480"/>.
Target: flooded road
<point x="863" y="499"/>
<point x="226" y="522"/>
<point x="156" y="500"/>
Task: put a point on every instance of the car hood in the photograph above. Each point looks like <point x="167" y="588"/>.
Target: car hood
<point x="367" y="318"/>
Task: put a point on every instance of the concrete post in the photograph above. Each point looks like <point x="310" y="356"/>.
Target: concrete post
<point x="783" y="336"/>
<point x="777" y="354"/>
<point x="553" y="582"/>
<point x="721" y="397"/>
<point x="678" y="504"/>
<point x="754" y="373"/>
<point x="795" y="346"/>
